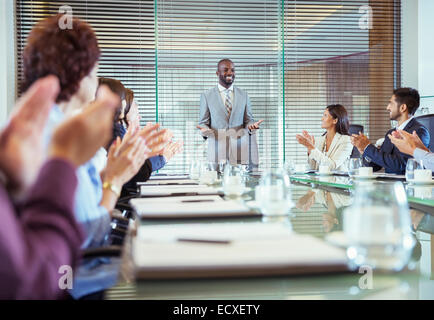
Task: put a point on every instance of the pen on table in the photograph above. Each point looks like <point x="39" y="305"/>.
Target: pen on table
<point x="209" y="200"/>
<point x="204" y="241"/>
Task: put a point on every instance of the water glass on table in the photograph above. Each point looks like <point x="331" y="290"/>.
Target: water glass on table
<point x="412" y="165"/>
<point x="353" y="166"/>
<point x="195" y="167"/>
<point x="377" y="227"/>
<point x="233" y="182"/>
<point x="208" y="173"/>
<point x="289" y="166"/>
<point x="222" y="165"/>
<point x="273" y="193"/>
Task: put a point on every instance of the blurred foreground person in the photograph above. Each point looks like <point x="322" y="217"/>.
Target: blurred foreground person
<point x="72" y="55"/>
<point x="38" y="233"/>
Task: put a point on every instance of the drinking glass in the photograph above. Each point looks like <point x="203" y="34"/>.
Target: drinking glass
<point x="222" y="164"/>
<point x="412" y="164"/>
<point x="377" y="227"/>
<point x="208" y="173"/>
<point x="233" y="182"/>
<point x="273" y="193"/>
<point x="245" y="169"/>
<point x="195" y="167"/>
<point x="289" y="166"/>
<point x="353" y="166"/>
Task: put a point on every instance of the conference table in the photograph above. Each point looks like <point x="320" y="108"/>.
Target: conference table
<point x="319" y="202"/>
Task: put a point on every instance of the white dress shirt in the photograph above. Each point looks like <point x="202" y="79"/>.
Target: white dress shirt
<point x="222" y="91"/>
<point x="402" y="125"/>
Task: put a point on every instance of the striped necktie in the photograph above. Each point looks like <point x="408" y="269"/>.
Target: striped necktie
<point x="228" y="102"/>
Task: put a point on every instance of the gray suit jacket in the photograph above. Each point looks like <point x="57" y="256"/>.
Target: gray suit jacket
<point x="228" y="137"/>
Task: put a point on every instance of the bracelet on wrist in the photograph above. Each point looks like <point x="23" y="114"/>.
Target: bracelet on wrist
<point x="109" y="186"/>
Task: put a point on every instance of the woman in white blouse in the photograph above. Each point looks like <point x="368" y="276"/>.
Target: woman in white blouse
<point x="334" y="147"/>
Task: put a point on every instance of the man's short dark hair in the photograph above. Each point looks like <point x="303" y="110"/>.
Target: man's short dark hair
<point x="223" y="60"/>
<point x="408" y="96"/>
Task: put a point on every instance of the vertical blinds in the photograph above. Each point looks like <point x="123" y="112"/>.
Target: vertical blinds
<point x="331" y="57"/>
<point x="192" y="37"/>
<point x="126" y="36"/>
<point x="292" y="57"/>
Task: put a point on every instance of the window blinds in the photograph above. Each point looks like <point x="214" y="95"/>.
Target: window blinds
<point x="126" y="36"/>
<point x="335" y="54"/>
<point x="192" y="37"/>
<point x="292" y="57"/>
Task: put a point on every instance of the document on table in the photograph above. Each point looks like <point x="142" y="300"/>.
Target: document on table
<point x="169" y="177"/>
<point x="389" y="175"/>
<point x="211" y="198"/>
<point x="186" y="207"/>
<point x="230" y="250"/>
<point x="169" y="182"/>
<point x="177" y="190"/>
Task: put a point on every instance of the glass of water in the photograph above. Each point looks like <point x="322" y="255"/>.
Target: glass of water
<point x="208" y="173"/>
<point x="377" y="227"/>
<point x="412" y="164"/>
<point x="289" y="166"/>
<point x="353" y="166"/>
<point x="245" y="169"/>
<point x="195" y="167"/>
<point x="233" y="182"/>
<point x="222" y="164"/>
<point x="273" y="193"/>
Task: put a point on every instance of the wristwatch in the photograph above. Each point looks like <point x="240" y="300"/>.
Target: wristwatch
<point x="108" y="185"/>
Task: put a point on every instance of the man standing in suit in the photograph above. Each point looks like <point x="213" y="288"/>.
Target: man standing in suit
<point x="226" y="120"/>
<point x="402" y="106"/>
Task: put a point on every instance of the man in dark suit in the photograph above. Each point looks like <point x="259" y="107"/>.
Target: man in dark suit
<point x="402" y="106"/>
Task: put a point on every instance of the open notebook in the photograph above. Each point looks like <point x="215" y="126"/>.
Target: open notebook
<point x="169" y="177"/>
<point x="189" y="207"/>
<point x="230" y="250"/>
<point x="169" y="182"/>
<point x="176" y="190"/>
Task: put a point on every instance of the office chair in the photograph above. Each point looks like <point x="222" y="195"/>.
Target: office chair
<point x="427" y="121"/>
<point x="355" y="129"/>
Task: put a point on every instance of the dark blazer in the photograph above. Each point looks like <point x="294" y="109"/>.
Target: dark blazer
<point x="389" y="157"/>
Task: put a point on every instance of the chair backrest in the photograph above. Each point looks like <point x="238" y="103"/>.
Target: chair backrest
<point x="427" y="120"/>
<point x="355" y="129"/>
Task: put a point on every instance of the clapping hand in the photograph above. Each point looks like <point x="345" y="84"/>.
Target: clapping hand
<point x="21" y="147"/>
<point x="360" y="141"/>
<point x="171" y="149"/>
<point x="406" y="142"/>
<point x="306" y="140"/>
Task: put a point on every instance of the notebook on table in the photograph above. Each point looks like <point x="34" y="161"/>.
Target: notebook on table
<point x="168" y="182"/>
<point x="169" y="177"/>
<point x="190" y="207"/>
<point x="230" y="250"/>
<point x="177" y="190"/>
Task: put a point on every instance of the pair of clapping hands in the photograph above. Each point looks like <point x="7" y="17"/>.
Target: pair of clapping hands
<point x="127" y="156"/>
<point x="407" y="142"/>
<point x="306" y="140"/>
<point x="76" y="140"/>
